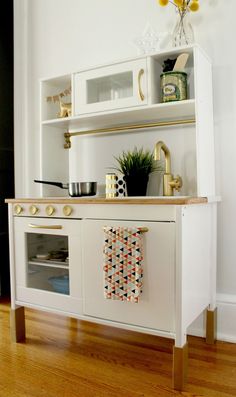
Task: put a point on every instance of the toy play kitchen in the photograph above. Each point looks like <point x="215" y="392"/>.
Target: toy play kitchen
<point x="176" y="266"/>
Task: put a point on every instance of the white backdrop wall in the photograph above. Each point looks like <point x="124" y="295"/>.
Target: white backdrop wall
<point x="56" y="37"/>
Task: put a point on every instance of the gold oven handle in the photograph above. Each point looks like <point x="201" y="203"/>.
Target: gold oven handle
<point x="141" y="94"/>
<point x="45" y="226"/>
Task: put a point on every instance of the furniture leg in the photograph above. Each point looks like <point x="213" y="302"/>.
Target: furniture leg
<point x="17" y="323"/>
<point x="211" y="316"/>
<point x="180" y="366"/>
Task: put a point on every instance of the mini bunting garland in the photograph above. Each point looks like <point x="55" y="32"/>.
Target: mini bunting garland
<point x="56" y="98"/>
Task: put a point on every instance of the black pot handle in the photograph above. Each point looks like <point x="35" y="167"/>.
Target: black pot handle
<point x="58" y="184"/>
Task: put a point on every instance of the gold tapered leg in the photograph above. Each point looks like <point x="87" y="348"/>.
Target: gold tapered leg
<point x="17" y="324"/>
<point x="180" y="366"/>
<point x="211" y="316"/>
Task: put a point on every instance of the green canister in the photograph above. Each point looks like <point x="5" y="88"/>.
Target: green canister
<point x="173" y="86"/>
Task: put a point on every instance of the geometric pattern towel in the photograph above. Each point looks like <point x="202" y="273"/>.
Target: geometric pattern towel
<point x="123" y="263"/>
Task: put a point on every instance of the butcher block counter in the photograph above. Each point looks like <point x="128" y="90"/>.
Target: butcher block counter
<point x="161" y="200"/>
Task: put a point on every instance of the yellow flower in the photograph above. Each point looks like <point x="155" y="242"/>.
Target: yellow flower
<point x="194" y="6"/>
<point x="182" y="5"/>
<point x="163" y="2"/>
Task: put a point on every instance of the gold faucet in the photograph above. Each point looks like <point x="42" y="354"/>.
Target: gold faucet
<point x="169" y="182"/>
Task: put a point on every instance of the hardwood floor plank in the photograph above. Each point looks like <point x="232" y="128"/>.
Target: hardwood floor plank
<point x="70" y="358"/>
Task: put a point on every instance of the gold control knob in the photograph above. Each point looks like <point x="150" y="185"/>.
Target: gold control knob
<point x="50" y="210"/>
<point x="67" y="210"/>
<point x="18" y="209"/>
<point x="33" y="209"/>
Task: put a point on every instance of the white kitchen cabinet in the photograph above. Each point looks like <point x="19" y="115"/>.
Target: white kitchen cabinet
<point x="179" y="274"/>
<point x="156" y="306"/>
<point x="111" y="87"/>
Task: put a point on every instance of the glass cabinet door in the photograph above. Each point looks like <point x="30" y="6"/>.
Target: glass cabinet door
<point x="47" y="262"/>
<point x="109" y="88"/>
<point x="117" y="86"/>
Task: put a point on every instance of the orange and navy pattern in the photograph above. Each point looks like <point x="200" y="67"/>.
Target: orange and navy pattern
<point x="123" y="263"/>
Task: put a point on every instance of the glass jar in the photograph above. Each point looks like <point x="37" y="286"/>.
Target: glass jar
<point x="183" y="32"/>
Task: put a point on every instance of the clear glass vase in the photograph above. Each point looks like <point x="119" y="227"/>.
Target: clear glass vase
<point x="183" y="32"/>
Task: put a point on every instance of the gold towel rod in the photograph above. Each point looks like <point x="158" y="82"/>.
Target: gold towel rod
<point x="68" y="135"/>
<point x="142" y="229"/>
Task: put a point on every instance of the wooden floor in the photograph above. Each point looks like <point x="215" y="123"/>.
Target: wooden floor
<point x="65" y="357"/>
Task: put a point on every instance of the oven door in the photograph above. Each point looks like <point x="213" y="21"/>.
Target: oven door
<point x="48" y="263"/>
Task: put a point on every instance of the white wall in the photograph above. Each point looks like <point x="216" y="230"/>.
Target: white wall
<point x="55" y="37"/>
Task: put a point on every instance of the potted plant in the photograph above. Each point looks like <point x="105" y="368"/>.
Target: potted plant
<point x="136" y="166"/>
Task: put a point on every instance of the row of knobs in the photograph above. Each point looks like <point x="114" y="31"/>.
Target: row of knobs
<point x="50" y="210"/>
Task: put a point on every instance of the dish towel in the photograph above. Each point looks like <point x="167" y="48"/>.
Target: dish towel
<point x="123" y="263"/>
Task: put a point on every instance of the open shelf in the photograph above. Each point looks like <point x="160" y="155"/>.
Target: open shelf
<point x="49" y="263"/>
<point x="161" y="112"/>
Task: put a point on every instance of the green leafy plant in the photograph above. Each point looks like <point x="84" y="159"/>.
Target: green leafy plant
<point x="136" y="165"/>
<point x="136" y="162"/>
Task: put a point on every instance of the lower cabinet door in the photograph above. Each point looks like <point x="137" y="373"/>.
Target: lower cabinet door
<point x="155" y="308"/>
<point x="48" y="263"/>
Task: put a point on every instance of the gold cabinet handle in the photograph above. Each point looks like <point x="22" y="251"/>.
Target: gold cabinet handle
<point x="143" y="229"/>
<point x="45" y="226"/>
<point x="141" y="94"/>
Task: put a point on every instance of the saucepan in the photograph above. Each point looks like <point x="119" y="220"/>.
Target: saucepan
<point x="75" y="189"/>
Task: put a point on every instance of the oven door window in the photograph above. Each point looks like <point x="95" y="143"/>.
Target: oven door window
<point x="48" y="262"/>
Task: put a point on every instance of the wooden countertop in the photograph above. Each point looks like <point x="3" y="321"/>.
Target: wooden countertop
<point x="181" y="200"/>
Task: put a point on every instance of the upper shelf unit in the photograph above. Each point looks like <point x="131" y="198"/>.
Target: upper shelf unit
<point x="124" y="96"/>
<point x="124" y="92"/>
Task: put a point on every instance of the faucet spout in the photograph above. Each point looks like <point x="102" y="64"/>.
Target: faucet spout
<point x="169" y="182"/>
<point x="157" y="155"/>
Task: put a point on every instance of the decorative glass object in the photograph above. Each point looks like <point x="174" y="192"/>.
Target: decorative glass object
<point x="149" y="41"/>
<point x="183" y="32"/>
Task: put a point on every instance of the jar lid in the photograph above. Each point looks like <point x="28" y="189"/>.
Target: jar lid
<point x="173" y="72"/>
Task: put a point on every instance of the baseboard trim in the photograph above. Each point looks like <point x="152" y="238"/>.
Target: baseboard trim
<point x="226" y="320"/>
